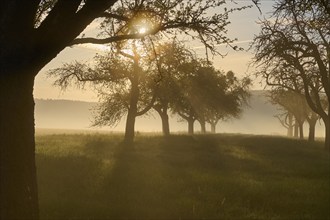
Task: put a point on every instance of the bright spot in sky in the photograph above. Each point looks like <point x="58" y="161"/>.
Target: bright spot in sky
<point x="142" y="30"/>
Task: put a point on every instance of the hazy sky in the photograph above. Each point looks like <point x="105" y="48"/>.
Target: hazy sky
<point x="243" y="26"/>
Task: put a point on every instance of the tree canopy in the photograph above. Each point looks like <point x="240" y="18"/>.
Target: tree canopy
<point x="293" y="52"/>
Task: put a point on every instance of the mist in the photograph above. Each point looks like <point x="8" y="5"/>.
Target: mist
<point x="257" y="118"/>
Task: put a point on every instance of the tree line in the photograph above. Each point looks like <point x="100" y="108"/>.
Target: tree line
<point x="167" y="78"/>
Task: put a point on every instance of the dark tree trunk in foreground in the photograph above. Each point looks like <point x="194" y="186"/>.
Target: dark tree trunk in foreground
<point x="18" y="189"/>
<point x="24" y="51"/>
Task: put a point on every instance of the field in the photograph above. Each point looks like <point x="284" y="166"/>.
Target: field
<point x="94" y="176"/>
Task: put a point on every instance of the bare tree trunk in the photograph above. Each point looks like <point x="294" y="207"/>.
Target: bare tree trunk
<point x="165" y="124"/>
<point x="18" y="188"/>
<point x="191" y="126"/>
<point x="312" y="122"/>
<point x="311" y="133"/>
<point x="301" y="130"/>
<point x="327" y="135"/>
<point x="203" y="126"/>
<point x="162" y="111"/>
<point x="132" y="111"/>
<point x="296" y="129"/>
<point x="290" y="125"/>
<point x="213" y="127"/>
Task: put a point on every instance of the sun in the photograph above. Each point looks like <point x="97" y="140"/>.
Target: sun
<point x="142" y="30"/>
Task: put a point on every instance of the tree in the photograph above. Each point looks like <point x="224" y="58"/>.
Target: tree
<point x="32" y="33"/>
<point x="208" y="95"/>
<point x="293" y="52"/>
<point x="122" y="83"/>
<point x="169" y="59"/>
<point x="293" y="103"/>
<point x="235" y="94"/>
<point x="295" y="107"/>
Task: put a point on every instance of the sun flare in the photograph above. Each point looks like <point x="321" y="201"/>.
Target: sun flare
<point x="142" y="30"/>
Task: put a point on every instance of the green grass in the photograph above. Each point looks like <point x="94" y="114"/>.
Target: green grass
<point x="182" y="177"/>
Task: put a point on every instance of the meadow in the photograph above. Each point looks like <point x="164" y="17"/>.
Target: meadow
<point x="222" y="176"/>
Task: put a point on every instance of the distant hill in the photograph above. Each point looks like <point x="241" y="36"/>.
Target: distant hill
<point x="258" y="118"/>
<point x="60" y="114"/>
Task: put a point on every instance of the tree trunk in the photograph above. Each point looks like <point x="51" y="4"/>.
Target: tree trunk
<point x="290" y="125"/>
<point x="130" y="126"/>
<point x="311" y="133"/>
<point x="213" y="125"/>
<point x="165" y="124"/>
<point x="327" y="133"/>
<point x="203" y="126"/>
<point x="132" y="111"/>
<point x="18" y="185"/>
<point x="301" y="130"/>
<point x="191" y="126"/>
<point x="296" y="129"/>
<point x="312" y="122"/>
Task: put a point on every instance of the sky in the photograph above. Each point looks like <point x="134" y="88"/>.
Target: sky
<point x="243" y="27"/>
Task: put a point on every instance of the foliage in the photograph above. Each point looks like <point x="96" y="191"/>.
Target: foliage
<point x="208" y="94"/>
<point x="293" y="52"/>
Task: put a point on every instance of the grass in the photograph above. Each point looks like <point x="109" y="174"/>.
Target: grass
<point x="182" y="177"/>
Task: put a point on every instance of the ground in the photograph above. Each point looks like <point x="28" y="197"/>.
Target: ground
<point x="94" y="176"/>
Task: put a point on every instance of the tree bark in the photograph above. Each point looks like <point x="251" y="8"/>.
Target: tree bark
<point x="18" y="185"/>
<point x="132" y="111"/>
<point x="311" y="133"/>
<point x="213" y="127"/>
<point x="296" y="129"/>
<point x="327" y="135"/>
<point x="191" y="126"/>
<point x="290" y="125"/>
<point x="165" y="124"/>
<point x="312" y="122"/>
<point x="301" y="130"/>
<point x="203" y="126"/>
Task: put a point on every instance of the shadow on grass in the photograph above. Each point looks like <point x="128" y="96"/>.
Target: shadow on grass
<point x="186" y="177"/>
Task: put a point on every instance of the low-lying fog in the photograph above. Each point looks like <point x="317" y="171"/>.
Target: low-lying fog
<point x="256" y="119"/>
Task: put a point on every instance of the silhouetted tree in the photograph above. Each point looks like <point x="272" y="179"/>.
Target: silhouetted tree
<point x="169" y="59"/>
<point x="295" y="104"/>
<point x="293" y="51"/>
<point x="32" y="33"/>
<point x="235" y="95"/>
<point x="121" y="81"/>
<point x="208" y="95"/>
<point x="286" y="119"/>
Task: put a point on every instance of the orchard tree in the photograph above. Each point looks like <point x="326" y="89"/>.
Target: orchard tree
<point x="295" y="107"/>
<point x="236" y="95"/>
<point x="168" y="61"/>
<point x="296" y="39"/>
<point x="122" y="81"/>
<point x="293" y="103"/>
<point x="32" y="33"/>
<point x="208" y="95"/>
